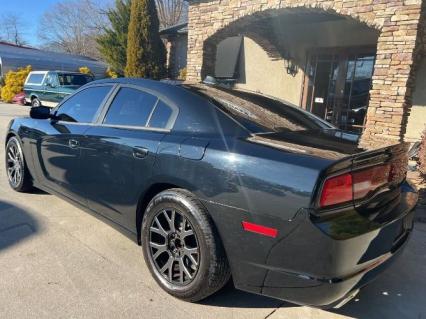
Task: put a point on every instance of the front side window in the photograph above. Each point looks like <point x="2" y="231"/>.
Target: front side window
<point x="82" y="106"/>
<point x="52" y="80"/>
<point x="131" y="107"/>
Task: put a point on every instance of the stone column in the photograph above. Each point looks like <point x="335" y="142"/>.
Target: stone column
<point x="390" y="97"/>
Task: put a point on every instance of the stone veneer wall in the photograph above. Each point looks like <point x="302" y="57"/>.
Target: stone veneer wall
<point x="393" y="79"/>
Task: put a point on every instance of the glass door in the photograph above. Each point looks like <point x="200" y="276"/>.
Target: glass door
<point x="338" y="86"/>
<point x="357" y="92"/>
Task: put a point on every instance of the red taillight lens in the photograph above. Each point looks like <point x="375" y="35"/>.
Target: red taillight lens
<point x="370" y="179"/>
<point x="356" y="185"/>
<point x="336" y="190"/>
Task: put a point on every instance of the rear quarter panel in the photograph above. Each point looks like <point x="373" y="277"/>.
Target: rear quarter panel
<point x="241" y="181"/>
<point x="258" y="179"/>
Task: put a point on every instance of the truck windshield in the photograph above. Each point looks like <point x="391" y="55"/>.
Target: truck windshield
<point x="259" y="113"/>
<point x="73" y="79"/>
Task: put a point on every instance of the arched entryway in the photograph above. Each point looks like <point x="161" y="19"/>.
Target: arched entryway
<point x="343" y="56"/>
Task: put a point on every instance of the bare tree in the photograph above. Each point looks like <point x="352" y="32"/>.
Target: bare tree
<point x="12" y="29"/>
<point x="171" y="12"/>
<point x="72" y="26"/>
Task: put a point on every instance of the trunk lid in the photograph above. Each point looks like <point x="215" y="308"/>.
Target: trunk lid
<point x="345" y="156"/>
<point x="330" y="144"/>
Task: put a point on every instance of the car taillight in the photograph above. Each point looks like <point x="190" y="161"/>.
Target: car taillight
<point x="337" y="190"/>
<point x="369" y="180"/>
<point x="354" y="185"/>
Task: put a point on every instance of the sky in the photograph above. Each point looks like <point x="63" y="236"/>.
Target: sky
<point x="30" y="11"/>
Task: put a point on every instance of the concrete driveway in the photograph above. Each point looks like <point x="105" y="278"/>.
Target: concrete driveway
<point x="57" y="261"/>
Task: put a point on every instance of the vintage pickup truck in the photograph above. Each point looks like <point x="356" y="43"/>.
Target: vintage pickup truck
<point x="48" y="88"/>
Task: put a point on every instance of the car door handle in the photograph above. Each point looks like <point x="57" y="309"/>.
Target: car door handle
<point x="73" y="143"/>
<point x="140" y="152"/>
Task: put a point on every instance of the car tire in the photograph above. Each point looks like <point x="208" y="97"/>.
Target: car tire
<point x="188" y="261"/>
<point x="16" y="169"/>
<point x="35" y="102"/>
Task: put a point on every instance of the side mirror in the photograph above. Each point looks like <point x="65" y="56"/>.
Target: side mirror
<point x="40" y="112"/>
<point x="51" y="85"/>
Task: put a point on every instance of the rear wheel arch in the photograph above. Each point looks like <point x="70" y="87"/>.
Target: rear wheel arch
<point x="214" y="271"/>
<point x="144" y="200"/>
<point x="148" y="195"/>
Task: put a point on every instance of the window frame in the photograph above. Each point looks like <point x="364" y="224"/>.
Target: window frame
<point x="170" y="124"/>
<point x="99" y="110"/>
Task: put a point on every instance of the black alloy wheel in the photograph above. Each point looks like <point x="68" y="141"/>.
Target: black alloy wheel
<point x="174" y="246"/>
<point x="181" y="246"/>
<point x="17" y="173"/>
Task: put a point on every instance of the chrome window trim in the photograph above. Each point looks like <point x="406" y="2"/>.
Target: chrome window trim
<point x="74" y="123"/>
<point x="152" y="111"/>
<point x="125" y="127"/>
<point x="130" y="127"/>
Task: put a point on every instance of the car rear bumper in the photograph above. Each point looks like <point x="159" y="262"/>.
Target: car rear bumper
<point x="308" y="264"/>
<point x="327" y="292"/>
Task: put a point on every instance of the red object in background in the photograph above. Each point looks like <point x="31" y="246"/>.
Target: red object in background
<point x="19" y="98"/>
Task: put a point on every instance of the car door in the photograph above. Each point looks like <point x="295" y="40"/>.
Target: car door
<point x="50" y="90"/>
<point x="120" y="151"/>
<point x="58" y="141"/>
<point x="67" y="84"/>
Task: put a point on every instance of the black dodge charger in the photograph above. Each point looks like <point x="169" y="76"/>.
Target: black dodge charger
<point x="216" y="183"/>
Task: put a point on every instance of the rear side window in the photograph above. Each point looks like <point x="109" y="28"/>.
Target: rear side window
<point x="130" y="107"/>
<point x="161" y="116"/>
<point x="73" y="79"/>
<point x="35" y="78"/>
<point x="82" y="106"/>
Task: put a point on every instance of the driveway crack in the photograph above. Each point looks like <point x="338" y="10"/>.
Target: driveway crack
<point x="273" y="311"/>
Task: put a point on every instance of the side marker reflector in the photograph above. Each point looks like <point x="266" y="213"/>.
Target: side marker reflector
<point x="259" y="229"/>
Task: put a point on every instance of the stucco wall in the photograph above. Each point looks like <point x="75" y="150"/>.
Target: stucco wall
<point x="417" y="118"/>
<point x="258" y="72"/>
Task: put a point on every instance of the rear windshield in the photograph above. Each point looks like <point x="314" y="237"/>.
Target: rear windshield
<point x="73" y="79"/>
<point x="260" y="113"/>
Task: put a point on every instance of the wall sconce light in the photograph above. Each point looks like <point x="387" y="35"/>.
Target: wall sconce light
<point x="292" y="68"/>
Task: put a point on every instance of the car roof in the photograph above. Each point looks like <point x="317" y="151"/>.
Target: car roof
<point x="147" y="83"/>
<point x="167" y="90"/>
